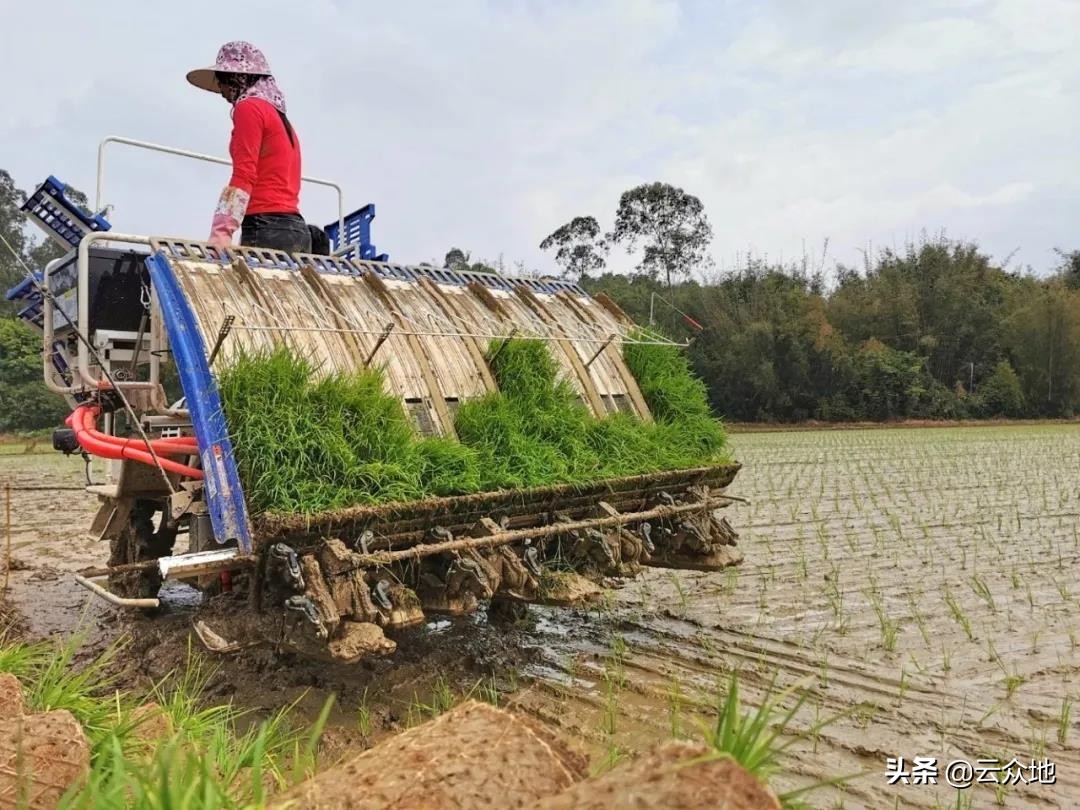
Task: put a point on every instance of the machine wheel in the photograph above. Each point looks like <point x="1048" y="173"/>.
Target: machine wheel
<point x="136" y="542"/>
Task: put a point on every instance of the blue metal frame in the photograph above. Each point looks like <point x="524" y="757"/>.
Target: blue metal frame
<point x="358" y="233"/>
<point x="63" y="220"/>
<point x="223" y="491"/>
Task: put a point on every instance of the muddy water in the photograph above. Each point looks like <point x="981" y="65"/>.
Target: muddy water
<point x="918" y="585"/>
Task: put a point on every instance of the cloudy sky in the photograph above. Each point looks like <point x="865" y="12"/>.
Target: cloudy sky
<point x="488" y="124"/>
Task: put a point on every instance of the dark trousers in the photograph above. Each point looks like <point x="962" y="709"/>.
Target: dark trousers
<point x="286" y="232"/>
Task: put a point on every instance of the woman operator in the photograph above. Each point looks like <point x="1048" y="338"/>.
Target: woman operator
<point x="263" y="194"/>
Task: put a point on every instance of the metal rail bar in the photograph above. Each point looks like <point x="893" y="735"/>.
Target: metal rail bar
<point x="179" y="566"/>
<point x="493" y="336"/>
<point x="172" y="150"/>
<point x="531" y="533"/>
<point x="111" y="597"/>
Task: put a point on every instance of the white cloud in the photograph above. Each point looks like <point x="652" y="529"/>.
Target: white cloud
<point x="487" y="125"/>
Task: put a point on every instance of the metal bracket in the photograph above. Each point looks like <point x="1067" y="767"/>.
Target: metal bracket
<point x="223" y="332"/>
<point x="498" y="351"/>
<point x="378" y="343"/>
<point x="600" y="351"/>
<point x="306" y="607"/>
<point x="286" y="557"/>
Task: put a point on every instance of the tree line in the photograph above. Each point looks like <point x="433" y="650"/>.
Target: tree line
<point x="934" y="331"/>
<point x="25" y="403"/>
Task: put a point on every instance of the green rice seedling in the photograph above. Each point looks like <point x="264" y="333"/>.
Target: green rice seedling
<point x="1000" y="793"/>
<point x="205" y="760"/>
<point x="1062" y="589"/>
<point x="485" y="689"/>
<point x="88" y="691"/>
<point x="833" y="592"/>
<point x="1012" y="681"/>
<point x="920" y="619"/>
<point x="823" y="669"/>
<point x="364" y="719"/>
<point x="982" y="590"/>
<point x="958" y="614"/>
<point x="305" y="444"/>
<point x="182" y="774"/>
<point x="675" y="707"/>
<point x="676" y="583"/>
<point x="676" y="396"/>
<point x="442" y="697"/>
<point x="609" y="710"/>
<point x="755" y="738"/>
<point x="1038" y="743"/>
<point x="447" y="467"/>
<point x="613" y="755"/>
<point x="534" y="431"/>
<point x="1063" y="720"/>
<point x="964" y="800"/>
<point x="889" y="627"/>
<point x="21" y="659"/>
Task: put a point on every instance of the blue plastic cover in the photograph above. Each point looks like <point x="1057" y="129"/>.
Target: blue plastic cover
<point x="51" y="210"/>
<point x="358" y="233"/>
<point x="224" y="494"/>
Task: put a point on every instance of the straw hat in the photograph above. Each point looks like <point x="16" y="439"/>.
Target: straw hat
<point x="233" y="57"/>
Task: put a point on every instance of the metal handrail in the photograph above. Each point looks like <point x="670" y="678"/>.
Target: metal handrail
<point x="172" y="150"/>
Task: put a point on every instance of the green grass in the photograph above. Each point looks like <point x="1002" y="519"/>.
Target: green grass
<point x="190" y="756"/>
<point x="758" y="738"/>
<point x="306" y="444"/>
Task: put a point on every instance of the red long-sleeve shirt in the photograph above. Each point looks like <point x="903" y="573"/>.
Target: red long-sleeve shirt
<point x="265" y="164"/>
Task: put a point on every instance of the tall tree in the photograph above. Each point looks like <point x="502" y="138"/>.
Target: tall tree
<point x="581" y="248"/>
<point x="11" y="227"/>
<point x="672" y="225"/>
<point x="25" y="402"/>
<point x="1043" y="337"/>
<point x="1069" y="269"/>
<point x="456" y="259"/>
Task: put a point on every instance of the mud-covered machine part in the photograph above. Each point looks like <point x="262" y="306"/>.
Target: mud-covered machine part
<point x="335" y="583"/>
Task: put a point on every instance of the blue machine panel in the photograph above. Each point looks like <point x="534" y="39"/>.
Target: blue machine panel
<point x="358" y="233"/>
<point x="223" y="491"/>
<point x="62" y="219"/>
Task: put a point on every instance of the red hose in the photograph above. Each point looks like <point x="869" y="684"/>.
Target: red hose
<point x="83" y="420"/>
<point x="177" y="445"/>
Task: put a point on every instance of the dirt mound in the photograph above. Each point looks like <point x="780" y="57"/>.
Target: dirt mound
<point x="12" y="703"/>
<point x="41" y="755"/>
<point x="477" y="756"/>
<point x="473" y="756"/>
<point x="677" y="774"/>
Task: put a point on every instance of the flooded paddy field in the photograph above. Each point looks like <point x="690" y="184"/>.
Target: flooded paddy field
<point x="917" y="586"/>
